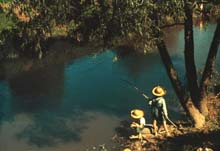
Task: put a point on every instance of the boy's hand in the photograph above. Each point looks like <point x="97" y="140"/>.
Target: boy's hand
<point x="133" y="124"/>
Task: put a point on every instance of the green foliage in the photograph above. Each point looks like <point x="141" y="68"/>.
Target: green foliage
<point x="87" y="20"/>
<point x="6" y="22"/>
<point x="5" y="1"/>
<point x="136" y="23"/>
<point x="33" y="28"/>
<point x="7" y="25"/>
<point x="35" y="21"/>
<point x="115" y="22"/>
<point x="73" y="25"/>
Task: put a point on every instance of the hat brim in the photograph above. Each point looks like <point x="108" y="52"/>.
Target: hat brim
<point x="140" y="114"/>
<point x="158" y="94"/>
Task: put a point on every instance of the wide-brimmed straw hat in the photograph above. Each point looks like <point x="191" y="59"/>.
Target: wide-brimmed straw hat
<point x="136" y="113"/>
<point x="159" y="91"/>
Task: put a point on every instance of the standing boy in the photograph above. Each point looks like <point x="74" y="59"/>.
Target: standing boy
<point x="159" y="109"/>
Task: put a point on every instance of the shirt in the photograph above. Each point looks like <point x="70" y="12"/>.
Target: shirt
<point x="159" y="102"/>
<point x="142" y="121"/>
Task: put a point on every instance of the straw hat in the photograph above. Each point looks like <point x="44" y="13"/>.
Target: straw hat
<point x="159" y="91"/>
<point x="136" y="113"/>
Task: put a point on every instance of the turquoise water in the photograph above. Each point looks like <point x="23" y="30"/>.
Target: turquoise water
<point x="78" y="105"/>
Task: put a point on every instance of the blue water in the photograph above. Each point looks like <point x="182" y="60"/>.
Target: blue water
<point x="70" y="106"/>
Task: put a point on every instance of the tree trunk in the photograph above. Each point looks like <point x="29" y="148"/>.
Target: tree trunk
<point x="189" y="54"/>
<point x="171" y="71"/>
<point x="198" y="118"/>
<point x="187" y="104"/>
<point x="207" y="73"/>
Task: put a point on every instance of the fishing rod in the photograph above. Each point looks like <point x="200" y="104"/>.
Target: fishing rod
<point x="148" y="98"/>
<point x="136" y="88"/>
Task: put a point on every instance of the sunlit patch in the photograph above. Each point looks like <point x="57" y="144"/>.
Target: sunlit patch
<point x="115" y="59"/>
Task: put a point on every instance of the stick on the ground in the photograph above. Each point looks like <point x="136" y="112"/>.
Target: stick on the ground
<point x="171" y="122"/>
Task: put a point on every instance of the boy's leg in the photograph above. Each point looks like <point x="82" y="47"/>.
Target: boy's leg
<point x="155" y="127"/>
<point x="140" y="136"/>
<point x="133" y="136"/>
<point x="165" y="127"/>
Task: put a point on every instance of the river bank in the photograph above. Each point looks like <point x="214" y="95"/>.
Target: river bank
<point x="183" y="138"/>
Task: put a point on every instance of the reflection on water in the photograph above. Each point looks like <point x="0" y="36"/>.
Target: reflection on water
<point x="32" y="91"/>
<point x="40" y="132"/>
<point x="74" y="106"/>
<point x="201" y="25"/>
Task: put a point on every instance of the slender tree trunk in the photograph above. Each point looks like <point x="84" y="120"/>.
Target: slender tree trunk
<point x="189" y="55"/>
<point x="187" y="104"/>
<point x="207" y="73"/>
<point x="171" y="71"/>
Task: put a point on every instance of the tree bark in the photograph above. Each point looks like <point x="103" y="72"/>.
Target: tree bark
<point x="194" y="113"/>
<point x="189" y="55"/>
<point x="187" y="104"/>
<point x="207" y="73"/>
